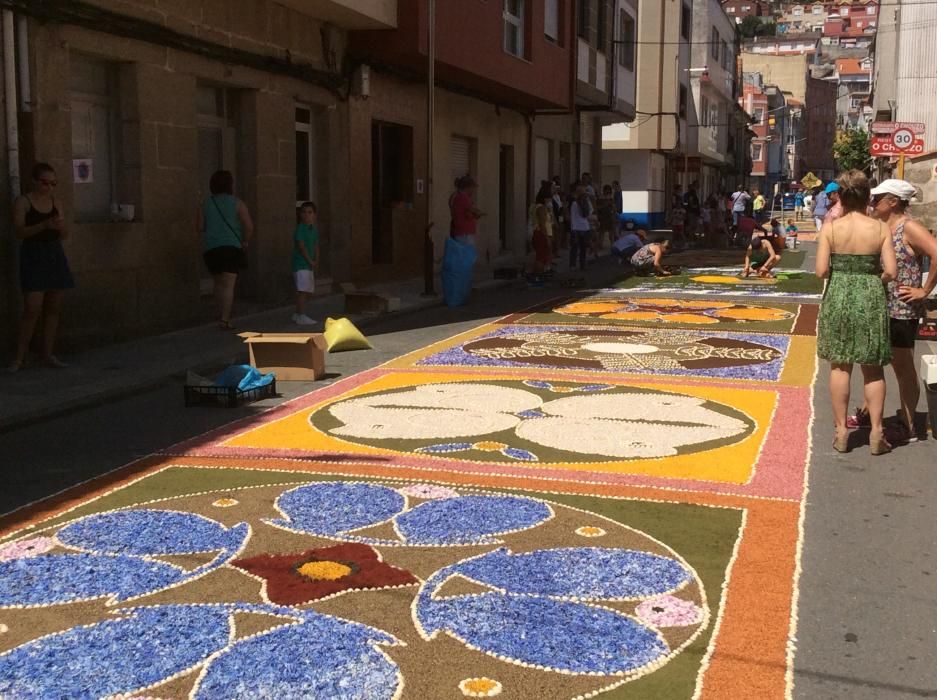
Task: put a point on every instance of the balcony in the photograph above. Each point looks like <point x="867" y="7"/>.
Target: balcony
<point x="349" y="14"/>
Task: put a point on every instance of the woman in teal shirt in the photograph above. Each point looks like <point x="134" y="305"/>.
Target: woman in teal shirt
<point x="226" y="229"/>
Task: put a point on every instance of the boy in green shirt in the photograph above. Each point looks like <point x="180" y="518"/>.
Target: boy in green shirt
<point x="305" y="261"/>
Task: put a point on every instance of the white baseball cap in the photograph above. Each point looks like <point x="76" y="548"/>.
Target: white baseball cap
<point x="904" y="191"/>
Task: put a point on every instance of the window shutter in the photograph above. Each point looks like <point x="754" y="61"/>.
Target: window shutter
<point x="551" y="19"/>
<point x="460" y="156"/>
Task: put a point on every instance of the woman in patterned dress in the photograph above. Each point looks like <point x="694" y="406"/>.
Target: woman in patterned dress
<point x="906" y="294"/>
<point x="856" y="253"/>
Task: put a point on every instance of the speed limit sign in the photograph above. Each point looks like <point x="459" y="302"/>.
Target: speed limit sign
<point x="902" y="139"/>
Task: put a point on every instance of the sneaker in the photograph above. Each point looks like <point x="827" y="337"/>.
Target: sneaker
<point x="303" y="320"/>
<point x="859" y="419"/>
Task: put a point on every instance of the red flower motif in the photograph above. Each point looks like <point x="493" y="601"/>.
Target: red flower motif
<point x="294" y="579"/>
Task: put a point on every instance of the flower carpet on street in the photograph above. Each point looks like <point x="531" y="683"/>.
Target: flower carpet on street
<point x="618" y="307"/>
<point x="728" y="281"/>
<point x="598" y="498"/>
<point x="679" y="352"/>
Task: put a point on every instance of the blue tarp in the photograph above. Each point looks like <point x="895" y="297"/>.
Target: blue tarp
<point x="244" y="377"/>
<point x="457" y="263"/>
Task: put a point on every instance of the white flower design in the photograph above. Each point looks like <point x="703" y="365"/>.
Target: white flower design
<point x="633" y="425"/>
<point x="434" y="411"/>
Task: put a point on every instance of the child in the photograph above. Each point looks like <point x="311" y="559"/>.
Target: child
<point x="791" y="232"/>
<point x="777" y="236"/>
<point x="305" y="260"/>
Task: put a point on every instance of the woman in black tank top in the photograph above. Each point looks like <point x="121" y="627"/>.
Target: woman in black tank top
<point x="44" y="271"/>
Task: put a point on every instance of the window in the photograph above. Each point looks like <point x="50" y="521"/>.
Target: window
<point x="798" y="12"/>
<point x="683" y="102"/>
<point x="756" y="151"/>
<point x="685" y="21"/>
<point x="758" y="114"/>
<point x="305" y="155"/>
<point x="514" y="27"/>
<point x="726" y="61"/>
<point x="844" y="12"/>
<point x="601" y="42"/>
<point x="714" y="44"/>
<point x="585" y="18"/>
<point x="870" y="10"/>
<point x="704" y="112"/>
<point x="95" y="133"/>
<point x="817" y="9"/>
<point x="551" y="20"/>
<point x="626" y="49"/>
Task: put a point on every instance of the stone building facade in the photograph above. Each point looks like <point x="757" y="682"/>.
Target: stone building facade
<point x="153" y="96"/>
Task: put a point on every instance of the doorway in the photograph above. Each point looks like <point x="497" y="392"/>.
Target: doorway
<point x="216" y="120"/>
<point x="391" y="184"/>
<point x="505" y="195"/>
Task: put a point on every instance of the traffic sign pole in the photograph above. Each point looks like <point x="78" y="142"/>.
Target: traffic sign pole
<point x="901" y="166"/>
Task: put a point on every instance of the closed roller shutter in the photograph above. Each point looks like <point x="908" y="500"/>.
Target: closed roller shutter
<point x="460" y="155"/>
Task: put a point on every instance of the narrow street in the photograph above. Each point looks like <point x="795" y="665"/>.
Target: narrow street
<point x="431" y="488"/>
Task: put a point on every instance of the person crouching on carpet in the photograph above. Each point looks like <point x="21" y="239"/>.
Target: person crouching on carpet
<point x="760" y="258"/>
<point x="648" y="258"/>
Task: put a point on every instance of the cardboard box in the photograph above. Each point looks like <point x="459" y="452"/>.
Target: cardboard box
<point x="293" y="357"/>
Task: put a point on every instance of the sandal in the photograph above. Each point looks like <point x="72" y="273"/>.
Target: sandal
<point x="226" y="325"/>
<point x="841" y="442"/>
<point x="878" y="445"/>
<point x="54" y="362"/>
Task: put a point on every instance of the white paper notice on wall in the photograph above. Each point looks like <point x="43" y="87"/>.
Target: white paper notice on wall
<point x="83" y="170"/>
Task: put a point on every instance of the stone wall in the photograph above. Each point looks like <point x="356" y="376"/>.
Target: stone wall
<point x="146" y="276"/>
<point x="922" y="173"/>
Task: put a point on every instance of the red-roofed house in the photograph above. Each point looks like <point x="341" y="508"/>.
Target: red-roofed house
<point x="854" y="77"/>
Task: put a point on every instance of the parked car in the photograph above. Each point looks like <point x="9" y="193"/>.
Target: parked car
<point x="784" y="201"/>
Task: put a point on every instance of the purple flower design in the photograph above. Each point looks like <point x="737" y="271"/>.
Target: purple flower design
<point x="428" y="491"/>
<point x="669" y="611"/>
<point x="23" y="549"/>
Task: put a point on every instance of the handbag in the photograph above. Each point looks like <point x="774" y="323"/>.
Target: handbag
<point x="242" y="254"/>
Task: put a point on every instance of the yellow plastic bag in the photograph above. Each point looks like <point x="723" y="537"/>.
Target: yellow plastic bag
<point x="341" y="334"/>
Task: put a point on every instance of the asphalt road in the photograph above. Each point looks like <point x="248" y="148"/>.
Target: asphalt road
<point x="868" y="597"/>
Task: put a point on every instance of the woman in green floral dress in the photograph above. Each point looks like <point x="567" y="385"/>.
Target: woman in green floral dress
<point x="857" y="255"/>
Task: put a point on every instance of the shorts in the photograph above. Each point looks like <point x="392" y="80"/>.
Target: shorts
<point x="305" y="281"/>
<point x="226" y="258"/>
<point x="903" y="332"/>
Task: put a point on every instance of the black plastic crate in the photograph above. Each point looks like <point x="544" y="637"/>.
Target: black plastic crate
<point x="227" y="396"/>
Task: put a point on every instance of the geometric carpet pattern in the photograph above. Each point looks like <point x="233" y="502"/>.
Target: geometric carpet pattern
<point x="562" y="504"/>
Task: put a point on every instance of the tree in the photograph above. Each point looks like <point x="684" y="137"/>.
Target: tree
<point x="851" y="150"/>
<point x="753" y="26"/>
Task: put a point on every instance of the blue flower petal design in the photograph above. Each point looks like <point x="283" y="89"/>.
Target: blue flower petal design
<point x="551" y="634"/>
<point x="150" y="532"/>
<point x="538" y="384"/>
<point x="446" y="448"/>
<point x="532" y="413"/>
<point x="519" y="454"/>
<point x="115" y="656"/>
<point x="323" y="657"/>
<point x="589" y="388"/>
<point x="336" y="508"/>
<point x="469" y="519"/>
<point x="588" y="573"/>
<point x="62" y="578"/>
